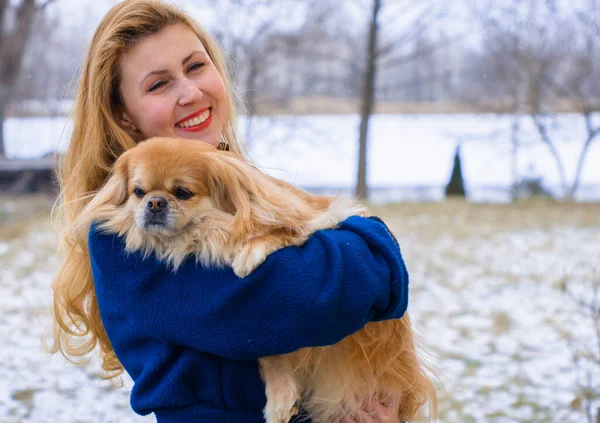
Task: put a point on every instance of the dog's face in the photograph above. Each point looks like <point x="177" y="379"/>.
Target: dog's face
<point x="167" y="185"/>
<point x="165" y="193"/>
<point x="163" y="186"/>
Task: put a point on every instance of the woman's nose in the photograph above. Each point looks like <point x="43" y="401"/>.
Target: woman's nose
<point x="189" y="92"/>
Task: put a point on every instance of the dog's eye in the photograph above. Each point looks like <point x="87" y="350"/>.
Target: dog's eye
<point x="183" y="193"/>
<point x="138" y="192"/>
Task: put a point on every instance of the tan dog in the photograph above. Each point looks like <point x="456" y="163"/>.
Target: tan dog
<point x="177" y="198"/>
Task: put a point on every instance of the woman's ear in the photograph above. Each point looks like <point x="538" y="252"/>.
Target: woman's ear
<point x="125" y="121"/>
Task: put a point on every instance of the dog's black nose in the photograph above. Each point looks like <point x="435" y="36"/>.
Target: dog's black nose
<point x="156" y="204"/>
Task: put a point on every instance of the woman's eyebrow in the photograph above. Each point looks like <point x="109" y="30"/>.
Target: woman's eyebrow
<point x="187" y="58"/>
<point x="154" y="72"/>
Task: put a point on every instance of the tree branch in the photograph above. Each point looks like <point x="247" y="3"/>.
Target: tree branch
<point x="398" y="61"/>
<point x="45" y="4"/>
<point x="3" y="7"/>
<point x="542" y="130"/>
<point x="408" y="4"/>
<point x="410" y="83"/>
<point x="418" y="27"/>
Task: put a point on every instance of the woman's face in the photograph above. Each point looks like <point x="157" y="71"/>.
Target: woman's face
<point x="170" y="87"/>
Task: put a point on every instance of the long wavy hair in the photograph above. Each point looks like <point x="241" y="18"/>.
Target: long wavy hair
<point x="96" y="142"/>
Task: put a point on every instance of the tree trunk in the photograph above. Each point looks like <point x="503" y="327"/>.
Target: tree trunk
<point x="542" y="130"/>
<point x="12" y="49"/>
<point x="592" y="133"/>
<point x="3" y="7"/>
<point x="366" y="103"/>
<point x="514" y="156"/>
<point x="2" y="110"/>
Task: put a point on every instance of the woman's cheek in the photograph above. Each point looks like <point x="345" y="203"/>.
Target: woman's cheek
<point x="159" y="119"/>
<point x="217" y="87"/>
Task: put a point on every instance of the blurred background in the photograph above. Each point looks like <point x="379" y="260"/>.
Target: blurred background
<point x="472" y="127"/>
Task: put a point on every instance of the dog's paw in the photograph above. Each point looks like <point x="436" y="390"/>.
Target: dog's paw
<point x="282" y="405"/>
<point x="338" y="211"/>
<point x="248" y="258"/>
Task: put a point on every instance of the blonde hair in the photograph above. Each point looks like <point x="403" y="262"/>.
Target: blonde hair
<point x="97" y="141"/>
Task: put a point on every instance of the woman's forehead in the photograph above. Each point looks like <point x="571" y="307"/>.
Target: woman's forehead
<point x="167" y="47"/>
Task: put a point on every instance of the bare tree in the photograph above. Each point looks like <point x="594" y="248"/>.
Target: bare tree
<point x="16" y="22"/>
<point x="574" y="80"/>
<point x="252" y="33"/>
<point x="537" y="57"/>
<point x="381" y="52"/>
<point x="367" y="100"/>
<point x="50" y="63"/>
<point x="585" y="81"/>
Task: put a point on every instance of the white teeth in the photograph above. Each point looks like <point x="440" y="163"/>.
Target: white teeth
<point x="195" y="121"/>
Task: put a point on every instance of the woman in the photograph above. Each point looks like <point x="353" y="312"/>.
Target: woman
<point x="190" y="339"/>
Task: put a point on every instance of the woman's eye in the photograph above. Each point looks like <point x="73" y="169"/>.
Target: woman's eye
<point x="156" y="85"/>
<point x="138" y="192"/>
<point x="183" y="193"/>
<point x="195" y="66"/>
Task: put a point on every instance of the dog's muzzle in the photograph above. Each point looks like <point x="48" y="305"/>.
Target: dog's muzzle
<point x="156" y="212"/>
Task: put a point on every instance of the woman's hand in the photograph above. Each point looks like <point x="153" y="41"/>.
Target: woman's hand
<point x="375" y="412"/>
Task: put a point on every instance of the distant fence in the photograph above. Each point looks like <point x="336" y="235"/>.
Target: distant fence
<point x="28" y="176"/>
<point x="33" y="176"/>
<point x="424" y="193"/>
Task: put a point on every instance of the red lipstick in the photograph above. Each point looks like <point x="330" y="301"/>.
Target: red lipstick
<point x="196" y="128"/>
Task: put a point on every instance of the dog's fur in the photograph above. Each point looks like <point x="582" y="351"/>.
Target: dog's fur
<point x="237" y="216"/>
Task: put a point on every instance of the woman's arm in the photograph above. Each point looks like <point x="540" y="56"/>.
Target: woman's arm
<point x="313" y="295"/>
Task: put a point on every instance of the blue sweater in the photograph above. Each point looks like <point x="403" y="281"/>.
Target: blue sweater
<point x="190" y="339"/>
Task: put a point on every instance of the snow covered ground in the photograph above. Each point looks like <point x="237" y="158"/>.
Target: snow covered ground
<point x="485" y="278"/>
<point x="485" y="294"/>
<point x="410" y="156"/>
<point x="34" y="386"/>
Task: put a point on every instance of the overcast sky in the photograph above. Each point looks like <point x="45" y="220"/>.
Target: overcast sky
<point x="86" y="14"/>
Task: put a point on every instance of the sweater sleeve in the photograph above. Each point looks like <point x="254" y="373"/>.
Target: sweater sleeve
<point x="312" y="295"/>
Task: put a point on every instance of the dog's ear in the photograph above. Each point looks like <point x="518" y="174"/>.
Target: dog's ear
<point x="105" y="204"/>
<point x="114" y="192"/>
<point x="230" y="187"/>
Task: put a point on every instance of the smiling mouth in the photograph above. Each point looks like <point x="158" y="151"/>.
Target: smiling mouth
<point x="196" y="122"/>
